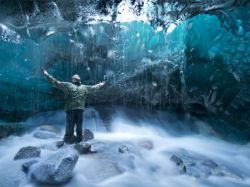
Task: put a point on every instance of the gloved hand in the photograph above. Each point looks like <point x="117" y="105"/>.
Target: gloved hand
<point x="102" y="83"/>
<point x="45" y="71"/>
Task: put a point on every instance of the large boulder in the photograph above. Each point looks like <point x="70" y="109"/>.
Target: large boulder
<point x="57" y="168"/>
<point x="28" y="152"/>
<point x="199" y="166"/>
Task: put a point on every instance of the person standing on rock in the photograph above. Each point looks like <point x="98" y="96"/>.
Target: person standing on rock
<point x="75" y="97"/>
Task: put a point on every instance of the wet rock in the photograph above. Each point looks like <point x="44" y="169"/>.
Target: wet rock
<point x="83" y="148"/>
<point x="44" y="135"/>
<point x="88" y="135"/>
<point x="182" y="168"/>
<point x="46" y="132"/>
<point x="123" y="149"/>
<point x="176" y="159"/>
<point x="57" y="168"/>
<point x="201" y="167"/>
<point x="49" y="128"/>
<point x="26" y="166"/>
<point x="28" y="152"/>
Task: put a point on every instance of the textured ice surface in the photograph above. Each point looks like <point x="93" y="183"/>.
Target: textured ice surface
<point x="198" y="65"/>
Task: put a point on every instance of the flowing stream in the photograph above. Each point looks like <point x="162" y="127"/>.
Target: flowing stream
<point x="151" y="143"/>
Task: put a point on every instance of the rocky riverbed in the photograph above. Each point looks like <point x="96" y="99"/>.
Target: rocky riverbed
<point x="129" y="155"/>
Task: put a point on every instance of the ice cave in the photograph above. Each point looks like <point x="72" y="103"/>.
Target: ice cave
<point x="125" y="93"/>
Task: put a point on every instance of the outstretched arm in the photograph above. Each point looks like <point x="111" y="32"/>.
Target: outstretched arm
<point x="95" y="87"/>
<point x="53" y="81"/>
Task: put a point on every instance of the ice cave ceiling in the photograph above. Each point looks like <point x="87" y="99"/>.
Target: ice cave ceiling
<point x="189" y="55"/>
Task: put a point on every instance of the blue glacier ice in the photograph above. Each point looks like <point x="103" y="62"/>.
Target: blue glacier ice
<point x="192" y="58"/>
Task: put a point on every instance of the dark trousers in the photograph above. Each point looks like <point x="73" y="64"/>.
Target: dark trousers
<point x="73" y="118"/>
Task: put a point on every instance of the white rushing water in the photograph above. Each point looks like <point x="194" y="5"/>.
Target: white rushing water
<point x="148" y="162"/>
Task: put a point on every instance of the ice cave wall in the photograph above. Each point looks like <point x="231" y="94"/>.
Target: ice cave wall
<point x="201" y="67"/>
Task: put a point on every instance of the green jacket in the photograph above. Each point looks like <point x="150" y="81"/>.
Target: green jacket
<point x="75" y="96"/>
